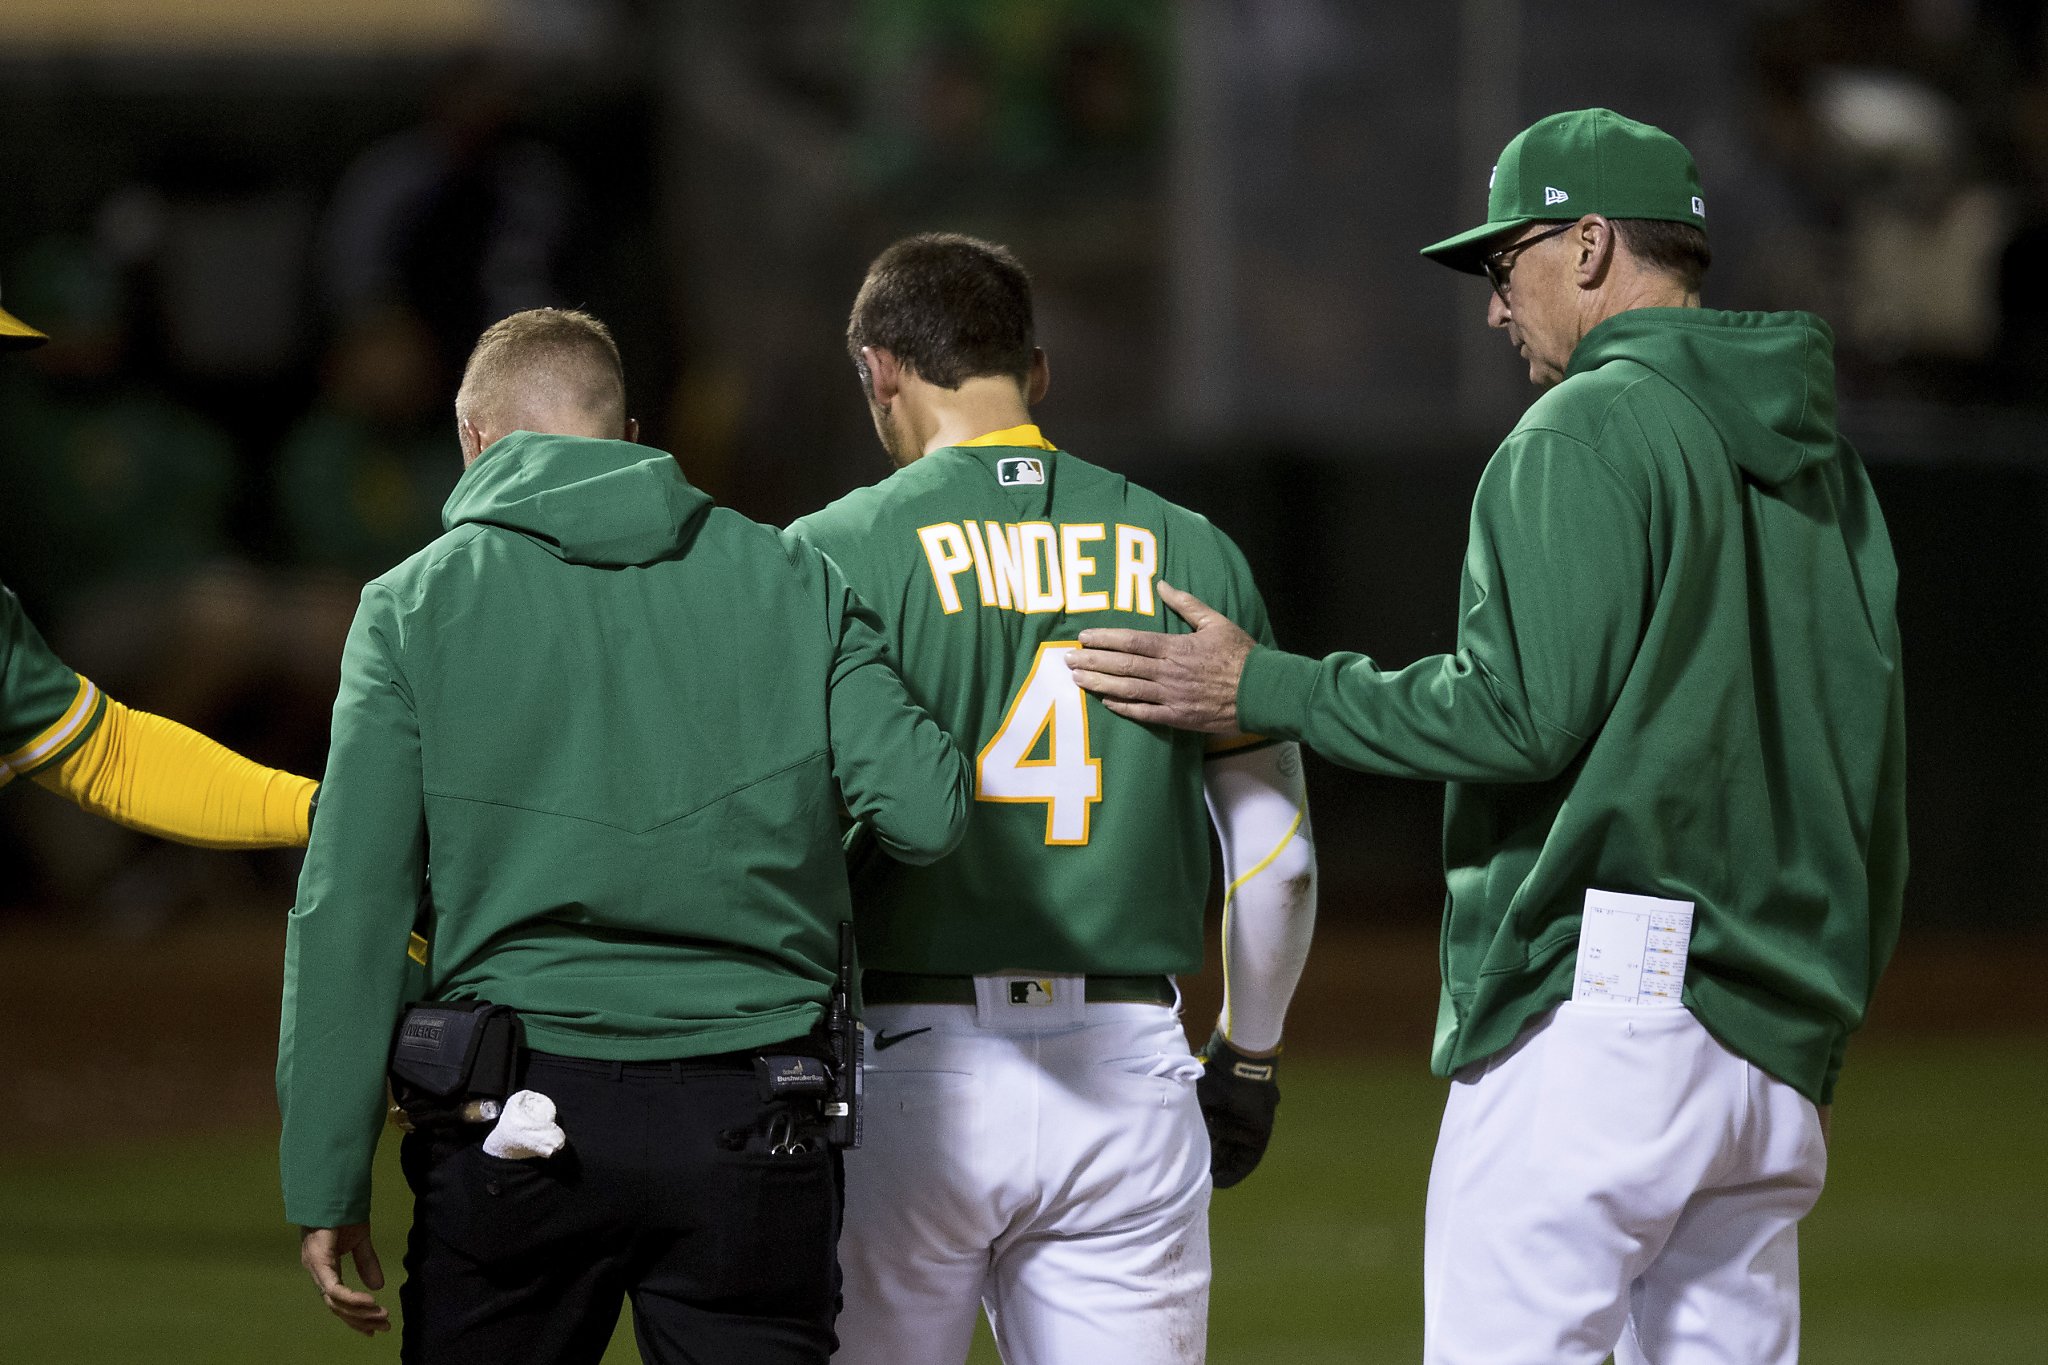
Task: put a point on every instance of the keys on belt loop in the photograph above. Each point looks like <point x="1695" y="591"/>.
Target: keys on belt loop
<point x="783" y="1139"/>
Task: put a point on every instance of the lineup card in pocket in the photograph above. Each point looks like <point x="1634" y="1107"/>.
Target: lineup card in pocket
<point x="1632" y="949"/>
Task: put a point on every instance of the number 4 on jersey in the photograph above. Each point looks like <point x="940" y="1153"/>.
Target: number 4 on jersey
<point x="1068" y="779"/>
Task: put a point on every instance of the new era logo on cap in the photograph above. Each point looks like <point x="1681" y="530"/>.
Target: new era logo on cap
<point x="1611" y="164"/>
<point x="1020" y="470"/>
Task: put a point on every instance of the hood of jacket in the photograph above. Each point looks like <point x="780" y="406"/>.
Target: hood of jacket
<point x="587" y="501"/>
<point x="1765" y="380"/>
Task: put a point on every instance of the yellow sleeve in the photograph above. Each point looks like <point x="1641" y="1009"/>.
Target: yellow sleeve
<point x="162" y="778"/>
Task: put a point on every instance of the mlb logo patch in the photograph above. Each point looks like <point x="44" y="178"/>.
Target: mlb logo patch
<point x="1019" y="470"/>
<point x="1031" y="992"/>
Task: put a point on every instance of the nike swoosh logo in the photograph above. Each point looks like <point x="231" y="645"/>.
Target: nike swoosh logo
<point x="889" y="1040"/>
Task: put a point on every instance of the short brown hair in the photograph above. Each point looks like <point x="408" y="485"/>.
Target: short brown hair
<point x="950" y="308"/>
<point x="1677" y="249"/>
<point x="540" y="363"/>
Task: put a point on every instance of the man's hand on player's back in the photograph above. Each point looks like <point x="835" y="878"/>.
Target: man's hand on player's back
<point x="1186" y="681"/>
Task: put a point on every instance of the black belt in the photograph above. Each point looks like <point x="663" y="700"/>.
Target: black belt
<point x="918" y="988"/>
<point x="675" y="1067"/>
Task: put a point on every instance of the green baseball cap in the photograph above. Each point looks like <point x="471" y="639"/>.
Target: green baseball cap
<point x="1572" y="164"/>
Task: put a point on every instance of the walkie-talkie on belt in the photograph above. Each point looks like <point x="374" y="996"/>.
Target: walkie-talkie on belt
<point x="842" y="1107"/>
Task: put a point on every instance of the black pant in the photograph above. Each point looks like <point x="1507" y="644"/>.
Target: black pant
<point x="668" y="1193"/>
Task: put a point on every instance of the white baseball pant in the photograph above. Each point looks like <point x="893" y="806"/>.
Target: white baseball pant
<point x="1058" y="1178"/>
<point x="1617" y="1180"/>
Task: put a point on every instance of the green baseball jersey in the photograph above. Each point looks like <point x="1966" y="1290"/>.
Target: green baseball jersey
<point x="46" y="710"/>
<point x="1088" y="846"/>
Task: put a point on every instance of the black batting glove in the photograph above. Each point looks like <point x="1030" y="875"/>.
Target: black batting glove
<point x="1238" y="1095"/>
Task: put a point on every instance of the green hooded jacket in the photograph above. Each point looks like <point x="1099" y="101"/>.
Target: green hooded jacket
<point x="618" y="725"/>
<point x="1677" y="675"/>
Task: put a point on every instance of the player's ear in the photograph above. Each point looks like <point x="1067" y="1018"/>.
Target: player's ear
<point x="885" y="374"/>
<point x="1594" y="238"/>
<point x="1038" y="379"/>
<point x="631" y="434"/>
<point x="471" y="440"/>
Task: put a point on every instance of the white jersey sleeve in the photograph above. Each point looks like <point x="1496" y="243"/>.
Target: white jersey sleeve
<point x="1258" y="802"/>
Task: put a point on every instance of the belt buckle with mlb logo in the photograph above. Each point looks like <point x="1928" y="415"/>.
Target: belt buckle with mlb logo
<point x="1035" y="991"/>
<point x="1013" y="1000"/>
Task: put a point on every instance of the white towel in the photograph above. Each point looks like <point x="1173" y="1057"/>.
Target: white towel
<point x="527" y="1128"/>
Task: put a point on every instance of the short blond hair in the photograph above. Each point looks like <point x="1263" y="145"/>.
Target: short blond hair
<point x="544" y="368"/>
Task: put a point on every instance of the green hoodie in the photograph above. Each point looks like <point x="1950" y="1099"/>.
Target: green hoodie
<point x="618" y="723"/>
<point x="1677" y="675"/>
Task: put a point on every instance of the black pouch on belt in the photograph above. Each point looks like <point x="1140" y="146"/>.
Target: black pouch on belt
<point x="450" y="1056"/>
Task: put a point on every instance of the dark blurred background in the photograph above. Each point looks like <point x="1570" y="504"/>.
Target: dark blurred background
<point x="264" y="233"/>
<point x="263" y="236"/>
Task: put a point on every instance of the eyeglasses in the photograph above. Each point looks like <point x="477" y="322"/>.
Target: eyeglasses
<point x="1498" y="264"/>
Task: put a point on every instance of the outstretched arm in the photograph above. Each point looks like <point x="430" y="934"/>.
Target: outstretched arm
<point x="1558" y="586"/>
<point x="134" y="768"/>
<point x="160" y="777"/>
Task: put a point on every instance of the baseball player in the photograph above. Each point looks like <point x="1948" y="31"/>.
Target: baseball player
<point x="1035" y="1140"/>
<point x="136" y="769"/>
<point x="1673" y="732"/>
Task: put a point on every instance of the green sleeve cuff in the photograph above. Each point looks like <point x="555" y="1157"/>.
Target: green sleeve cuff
<point x="327" y="1214"/>
<point x="1273" y="693"/>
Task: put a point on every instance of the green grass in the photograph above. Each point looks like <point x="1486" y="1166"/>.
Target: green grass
<point x="1931" y="1242"/>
